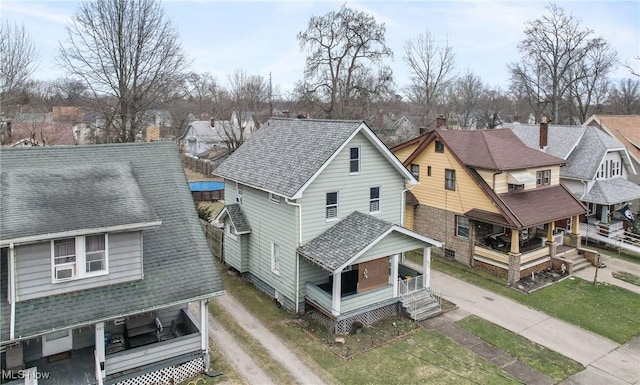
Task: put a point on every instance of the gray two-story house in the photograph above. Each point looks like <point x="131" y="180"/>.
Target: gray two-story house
<point x="101" y="253"/>
<point x="314" y="218"/>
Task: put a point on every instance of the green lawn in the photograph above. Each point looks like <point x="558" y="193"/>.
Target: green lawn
<point x="536" y="356"/>
<point x="604" y="309"/>
<point x="423" y="357"/>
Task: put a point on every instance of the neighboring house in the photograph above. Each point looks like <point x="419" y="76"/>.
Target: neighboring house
<point x="625" y="128"/>
<point x="204" y="135"/>
<point x="30" y="134"/>
<point x="490" y="199"/>
<point x="101" y="251"/>
<point x="596" y="171"/>
<point x="314" y="218"/>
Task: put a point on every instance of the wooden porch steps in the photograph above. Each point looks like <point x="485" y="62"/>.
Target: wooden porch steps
<point x="420" y="305"/>
<point x="578" y="261"/>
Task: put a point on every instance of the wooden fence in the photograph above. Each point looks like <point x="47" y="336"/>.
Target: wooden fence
<point x="202" y="166"/>
<point x="215" y="239"/>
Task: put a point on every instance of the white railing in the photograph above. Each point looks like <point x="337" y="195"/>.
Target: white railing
<point x="98" y="370"/>
<point x="410" y="285"/>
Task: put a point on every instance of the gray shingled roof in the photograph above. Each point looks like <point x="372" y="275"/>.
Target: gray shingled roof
<point x="178" y="266"/>
<point x="32" y="197"/>
<point x="612" y="191"/>
<point x="344" y="240"/>
<point x="237" y="218"/>
<point x="285" y="153"/>
<point x="584" y="161"/>
<point x="561" y="140"/>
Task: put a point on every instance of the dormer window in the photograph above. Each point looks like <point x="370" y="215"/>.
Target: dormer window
<point x="354" y="160"/>
<point x="79" y="257"/>
<point x="543" y="177"/>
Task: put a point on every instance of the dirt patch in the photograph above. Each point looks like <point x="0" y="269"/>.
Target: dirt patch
<point x="539" y="280"/>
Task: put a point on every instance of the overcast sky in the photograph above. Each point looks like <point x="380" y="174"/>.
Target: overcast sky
<point x="260" y="36"/>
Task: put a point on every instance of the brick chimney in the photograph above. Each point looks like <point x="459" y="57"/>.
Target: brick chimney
<point x="441" y="121"/>
<point x="544" y="132"/>
<point x="213" y="122"/>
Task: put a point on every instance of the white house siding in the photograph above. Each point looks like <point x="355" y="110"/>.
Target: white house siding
<point x="232" y="255"/>
<point x="34" y="273"/>
<point x="353" y="190"/>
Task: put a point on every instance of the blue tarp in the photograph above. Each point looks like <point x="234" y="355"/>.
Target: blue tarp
<point x="206" y="186"/>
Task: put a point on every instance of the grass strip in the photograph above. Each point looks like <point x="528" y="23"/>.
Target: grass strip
<point x="546" y="361"/>
<point x="604" y="309"/>
<point x="626" y="277"/>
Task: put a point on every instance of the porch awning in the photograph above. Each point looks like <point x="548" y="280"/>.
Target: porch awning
<point x="520" y="177"/>
<point x="353" y="236"/>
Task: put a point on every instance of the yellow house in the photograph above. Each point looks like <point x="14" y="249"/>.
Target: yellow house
<point x="495" y="203"/>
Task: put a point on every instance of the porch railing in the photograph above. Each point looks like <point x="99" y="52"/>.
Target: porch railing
<point x="410" y="285"/>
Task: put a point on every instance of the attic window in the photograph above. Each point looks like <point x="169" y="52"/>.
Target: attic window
<point x="415" y="171"/>
<point x="274" y="198"/>
<point x="354" y="160"/>
<point x="439" y="146"/>
<point x="79" y="257"/>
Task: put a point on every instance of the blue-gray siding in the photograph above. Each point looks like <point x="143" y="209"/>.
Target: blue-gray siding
<point x="353" y="190"/>
<point x="34" y="275"/>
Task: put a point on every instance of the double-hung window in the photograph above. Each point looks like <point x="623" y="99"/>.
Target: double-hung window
<point x="450" y="179"/>
<point x="374" y="199"/>
<point x="79" y="257"/>
<point x="331" y="208"/>
<point x="354" y="160"/>
<point x="462" y="227"/>
<point x="415" y="171"/>
<point x="275" y="258"/>
<point x="543" y="177"/>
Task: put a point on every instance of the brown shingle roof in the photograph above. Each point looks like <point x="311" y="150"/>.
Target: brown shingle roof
<point x="497" y="149"/>
<point x="542" y="205"/>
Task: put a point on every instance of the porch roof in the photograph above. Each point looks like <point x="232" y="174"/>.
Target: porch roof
<point x="612" y="191"/>
<point x="529" y="208"/>
<point x="538" y="206"/>
<point x="351" y="237"/>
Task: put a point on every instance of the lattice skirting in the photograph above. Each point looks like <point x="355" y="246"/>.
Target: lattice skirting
<point x="345" y="326"/>
<point x="168" y="376"/>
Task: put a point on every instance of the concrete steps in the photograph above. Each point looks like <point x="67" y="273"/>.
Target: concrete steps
<point x="578" y="261"/>
<point x="420" y="305"/>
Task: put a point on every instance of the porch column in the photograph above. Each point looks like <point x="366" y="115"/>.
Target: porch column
<point x="515" y="241"/>
<point x="204" y="332"/>
<point x="576" y="237"/>
<point x="100" y="347"/>
<point x="426" y="267"/>
<point x="395" y="259"/>
<point x="335" y="293"/>
<point x="550" y="228"/>
<point x="604" y="215"/>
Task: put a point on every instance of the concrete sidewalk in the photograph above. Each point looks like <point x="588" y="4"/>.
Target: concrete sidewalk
<point x="605" y="274"/>
<point x="606" y="361"/>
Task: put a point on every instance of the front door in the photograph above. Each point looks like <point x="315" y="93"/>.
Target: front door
<point x="57" y="342"/>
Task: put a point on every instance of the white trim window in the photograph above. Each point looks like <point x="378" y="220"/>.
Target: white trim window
<point x="275" y="258"/>
<point x="230" y="230"/>
<point x="239" y="190"/>
<point x="462" y="227"/>
<point x="374" y="199"/>
<point x="275" y="198"/>
<point x="450" y="179"/>
<point x="79" y="257"/>
<point x="543" y="177"/>
<point x="415" y="171"/>
<point x="331" y="207"/>
<point x="354" y="160"/>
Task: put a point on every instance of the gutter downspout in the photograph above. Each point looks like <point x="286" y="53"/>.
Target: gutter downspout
<point x="299" y="206"/>
<point x="494" y="179"/>
<point x="12" y="291"/>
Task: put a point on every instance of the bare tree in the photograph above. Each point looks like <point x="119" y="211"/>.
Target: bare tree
<point x="492" y="108"/>
<point x="624" y="98"/>
<point x="591" y="84"/>
<point x="17" y="60"/>
<point x="553" y="46"/>
<point x="432" y="70"/>
<point x="632" y="70"/>
<point x="465" y="97"/>
<point x="128" y="55"/>
<point x="342" y="47"/>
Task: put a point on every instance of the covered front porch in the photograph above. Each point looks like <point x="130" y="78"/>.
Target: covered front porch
<point x="117" y="350"/>
<point x="516" y="252"/>
<point x="365" y="273"/>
